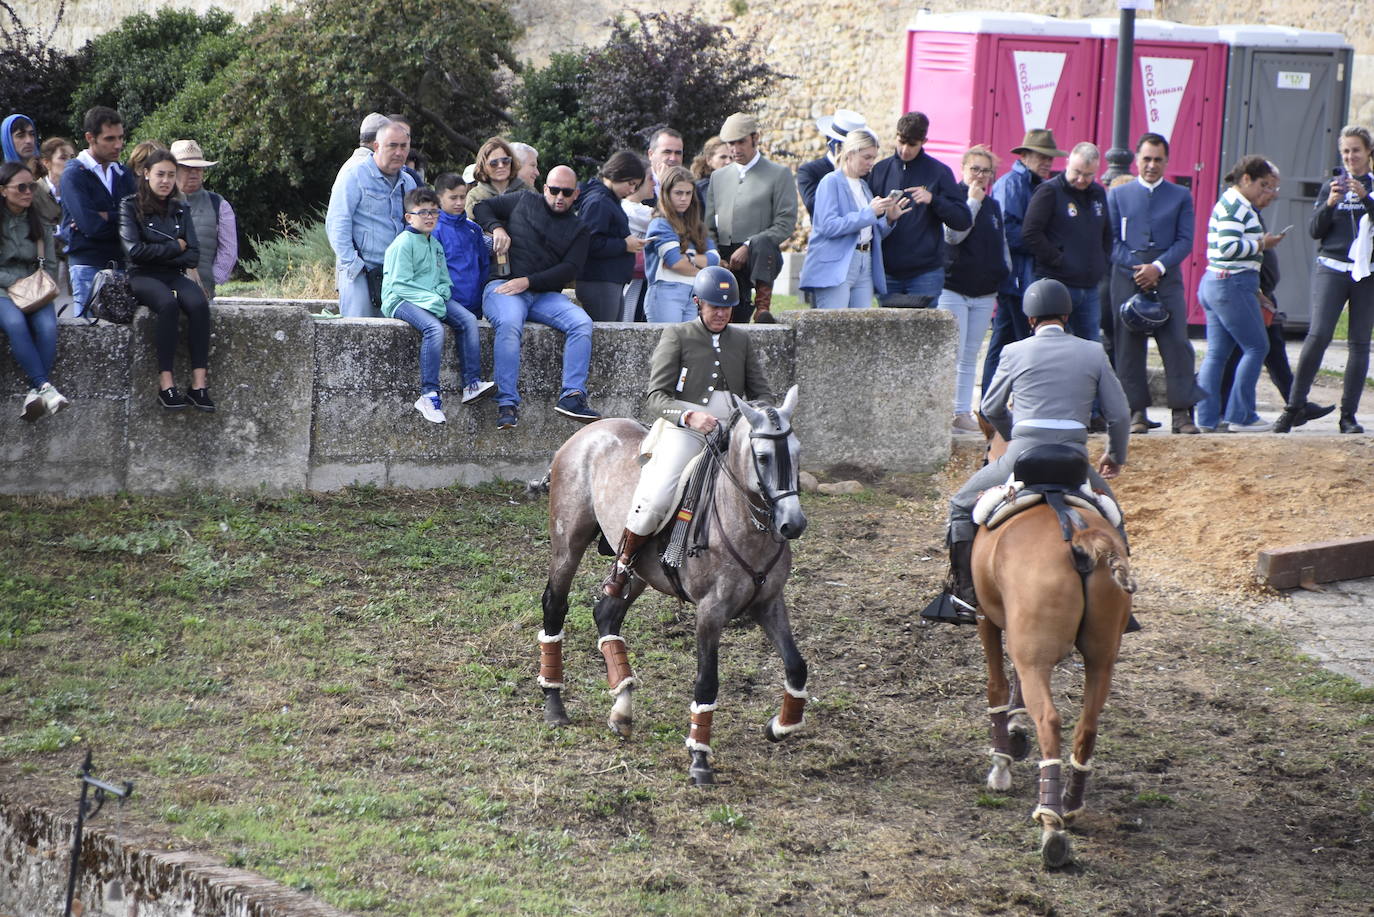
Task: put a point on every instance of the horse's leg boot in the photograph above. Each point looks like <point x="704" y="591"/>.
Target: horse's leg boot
<point x="619" y="577"/>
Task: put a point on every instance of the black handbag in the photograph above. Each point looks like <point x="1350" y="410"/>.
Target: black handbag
<point x="112" y="298"/>
<point x="374" y="286"/>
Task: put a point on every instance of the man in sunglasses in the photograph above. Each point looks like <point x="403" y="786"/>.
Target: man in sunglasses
<point x="547" y="245"/>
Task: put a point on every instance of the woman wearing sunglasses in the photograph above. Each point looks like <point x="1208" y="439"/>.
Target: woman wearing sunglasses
<point x="32" y="337"/>
<point x="496" y="172"/>
<point x="160" y="245"/>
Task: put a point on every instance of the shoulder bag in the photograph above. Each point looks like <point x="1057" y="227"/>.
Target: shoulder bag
<point x="35" y="291"/>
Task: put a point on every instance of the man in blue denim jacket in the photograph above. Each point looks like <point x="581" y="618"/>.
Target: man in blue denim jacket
<point x="365" y="214"/>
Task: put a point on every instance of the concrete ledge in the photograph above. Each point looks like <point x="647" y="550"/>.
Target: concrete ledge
<point x="1318" y="562"/>
<point x="127" y="874"/>
<point x="324" y="403"/>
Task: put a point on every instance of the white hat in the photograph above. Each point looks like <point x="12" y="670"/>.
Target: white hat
<point x="838" y="125"/>
<point x="470" y="174"/>
<point x="189" y="153"/>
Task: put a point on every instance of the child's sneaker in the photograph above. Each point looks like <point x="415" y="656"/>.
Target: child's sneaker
<point x="33" y="406"/>
<point x="476" y="390"/>
<point x="430" y="407"/>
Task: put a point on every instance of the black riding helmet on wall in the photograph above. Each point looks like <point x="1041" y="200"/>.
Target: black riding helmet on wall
<point x="716" y="286"/>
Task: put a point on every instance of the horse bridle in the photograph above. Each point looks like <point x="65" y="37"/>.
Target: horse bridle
<point x="763" y="516"/>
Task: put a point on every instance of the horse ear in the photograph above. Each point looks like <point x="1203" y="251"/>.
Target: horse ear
<point x="789" y="403"/>
<point x="751" y="413"/>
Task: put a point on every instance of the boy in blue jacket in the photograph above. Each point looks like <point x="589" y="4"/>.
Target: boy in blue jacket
<point x="465" y="247"/>
<point x="417" y="290"/>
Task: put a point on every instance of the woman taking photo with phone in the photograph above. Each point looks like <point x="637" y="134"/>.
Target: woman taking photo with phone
<point x="844" y="258"/>
<point x="160" y="246"/>
<point x="1229" y="292"/>
<point x="1341" y="224"/>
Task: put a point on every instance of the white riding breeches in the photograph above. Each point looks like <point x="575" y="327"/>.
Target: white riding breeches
<point x="665" y="453"/>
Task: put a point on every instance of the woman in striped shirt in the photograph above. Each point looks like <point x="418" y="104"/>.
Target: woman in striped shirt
<point x="1229" y="293"/>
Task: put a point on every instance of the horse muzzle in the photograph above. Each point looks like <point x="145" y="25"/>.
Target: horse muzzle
<point x="790" y="525"/>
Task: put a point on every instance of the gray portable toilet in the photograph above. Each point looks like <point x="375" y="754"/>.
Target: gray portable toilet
<point x="1287" y="98"/>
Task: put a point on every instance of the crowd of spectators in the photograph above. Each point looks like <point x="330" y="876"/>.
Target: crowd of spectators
<point x="488" y="243"/>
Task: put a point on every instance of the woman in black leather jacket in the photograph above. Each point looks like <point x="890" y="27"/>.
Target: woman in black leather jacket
<point x="160" y="243"/>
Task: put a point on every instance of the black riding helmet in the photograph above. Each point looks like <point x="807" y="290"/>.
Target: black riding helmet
<point x="716" y="286"/>
<point x="1046" y="297"/>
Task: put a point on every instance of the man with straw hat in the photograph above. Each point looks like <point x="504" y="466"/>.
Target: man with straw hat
<point x="216" y="226"/>
<point x="834" y="128"/>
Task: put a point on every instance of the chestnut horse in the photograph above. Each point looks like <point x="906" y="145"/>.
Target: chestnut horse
<point x="1032" y="597"/>
<point x="754" y="510"/>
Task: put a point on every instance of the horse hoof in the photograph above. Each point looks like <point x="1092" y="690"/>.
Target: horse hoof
<point x="1056" y="848"/>
<point x="554" y="713"/>
<point x="1018" y="740"/>
<point x="700" y="771"/>
<point x="768" y="732"/>
<point x="621" y="727"/>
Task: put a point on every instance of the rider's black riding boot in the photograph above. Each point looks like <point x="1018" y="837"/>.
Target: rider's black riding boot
<point x="1132" y="625"/>
<point x="614" y="584"/>
<point x="958" y="605"/>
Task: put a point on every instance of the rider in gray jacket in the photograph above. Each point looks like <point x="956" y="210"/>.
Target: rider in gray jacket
<point x="1053" y="379"/>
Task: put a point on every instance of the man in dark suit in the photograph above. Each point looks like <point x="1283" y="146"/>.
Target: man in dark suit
<point x="1151" y="221"/>
<point x="834" y="128"/>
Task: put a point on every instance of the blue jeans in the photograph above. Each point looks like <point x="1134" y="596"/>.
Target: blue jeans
<point x="1085" y="321"/>
<point x="1231" y="305"/>
<point x="508" y="314"/>
<point x="974" y="314"/>
<point x="857" y="290"/>
<point x="1009" y="324"/>
<point x="464" y="325"/>
<point x="929" y="283"/>
<point x="33" y="339"/>
<point x="82" y="276"/>
<point x="669" y="302"/>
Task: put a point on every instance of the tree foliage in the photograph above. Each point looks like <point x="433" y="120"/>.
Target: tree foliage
<point x="146" y="61"/>
<point x="36" y="78"/>
<point x="656" y="69"/>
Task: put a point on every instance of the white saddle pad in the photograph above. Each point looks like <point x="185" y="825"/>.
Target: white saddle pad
<point x="998" y="504"/>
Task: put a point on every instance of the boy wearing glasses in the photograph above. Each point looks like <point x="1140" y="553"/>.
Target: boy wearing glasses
<point x="416" y="289"/>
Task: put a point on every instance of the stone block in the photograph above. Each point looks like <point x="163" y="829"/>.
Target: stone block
<point x="876" y="387"/>
<point x="261" y="371"/>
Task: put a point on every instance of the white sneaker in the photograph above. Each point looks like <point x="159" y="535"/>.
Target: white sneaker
<point x="33" y="406"/>
<point x="53" y="400"/>
<point x="476" y="390"/>
<point x="966" y="423"/>
<point x="1259" y="426"/>
<point x="430" y="408"/>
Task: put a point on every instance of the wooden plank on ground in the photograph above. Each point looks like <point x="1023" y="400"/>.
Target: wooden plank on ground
<point x="1323" y="561"/>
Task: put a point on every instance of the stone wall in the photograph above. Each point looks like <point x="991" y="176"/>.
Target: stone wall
<point x="324" y="403"/>
<point x="125" y="875"/>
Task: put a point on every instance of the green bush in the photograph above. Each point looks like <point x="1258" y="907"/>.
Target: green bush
<point x="297" y="245"/>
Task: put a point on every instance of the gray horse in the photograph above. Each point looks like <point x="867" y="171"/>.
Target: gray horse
<point x="754" y="510"/>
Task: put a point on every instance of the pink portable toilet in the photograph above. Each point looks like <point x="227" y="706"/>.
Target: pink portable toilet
<point x="1178" y="89"/>
<point x="988" y="77"/>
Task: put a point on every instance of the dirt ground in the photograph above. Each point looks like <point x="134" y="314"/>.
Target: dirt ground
<point x="1233" y="778"/>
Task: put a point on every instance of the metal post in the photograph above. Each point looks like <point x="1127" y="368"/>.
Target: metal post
<point x="1119" y="156"/>
<point x="76" y="838"/>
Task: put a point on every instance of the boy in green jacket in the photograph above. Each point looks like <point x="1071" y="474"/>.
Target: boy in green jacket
<point x="415" y="289"/>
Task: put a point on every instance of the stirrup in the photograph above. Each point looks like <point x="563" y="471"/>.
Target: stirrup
<point x="617" y="582"/>
<point x="950" y="609"/>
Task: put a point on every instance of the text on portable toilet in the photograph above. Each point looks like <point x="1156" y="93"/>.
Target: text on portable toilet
<point x="1163" y="81"/>
<point x="1037" y="77"/>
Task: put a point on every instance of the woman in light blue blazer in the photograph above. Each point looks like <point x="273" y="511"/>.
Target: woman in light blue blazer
<point x="844" y="257"/>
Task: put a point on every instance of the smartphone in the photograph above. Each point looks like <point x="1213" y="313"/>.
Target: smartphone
<point x="1338" y="178"/>
<point x="895" y="193"/>
<point x="1286" y="230"/>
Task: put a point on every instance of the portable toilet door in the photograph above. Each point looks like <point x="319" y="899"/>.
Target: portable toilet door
<point x="988" y="77"/>
<point x="1178" y="84"/>
<point x="1287" y="97"/>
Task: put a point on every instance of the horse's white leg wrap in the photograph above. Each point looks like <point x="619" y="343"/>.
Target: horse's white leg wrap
<point x="550" y="660"/>
<point x="699" y="738"/>
<point x="619" y="676"/>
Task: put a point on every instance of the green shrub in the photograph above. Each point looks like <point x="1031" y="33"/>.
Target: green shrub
<point x="296" y="246"/>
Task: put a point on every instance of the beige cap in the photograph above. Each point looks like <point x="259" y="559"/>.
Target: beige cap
<point x="188" y="153"/>
<point x="738" y="126"/>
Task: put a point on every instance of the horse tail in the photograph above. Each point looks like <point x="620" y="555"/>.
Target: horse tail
<point x="1093" y="546"/>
